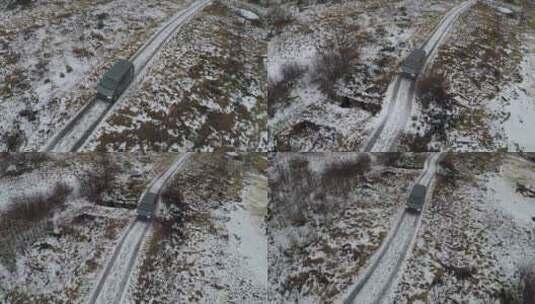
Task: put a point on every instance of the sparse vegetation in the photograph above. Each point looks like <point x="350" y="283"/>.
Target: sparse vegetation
<point x="218" y="101"/>
<point x="280" y="18"/>
<point x="336" y="58"/>
<point x="11" y="4"/>
<point x="95" y="184"/>
<point x="433" y="89"/>
<point x="208" y="182"/>
<point x="279" y="90"/>
<point x="318" y="204"/>
<point x="416" y="142"/>
<point x="38" y="206"/>
<point x="13" y="139"/>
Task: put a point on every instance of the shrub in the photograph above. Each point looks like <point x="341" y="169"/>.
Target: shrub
<point x="18" y="3"/>
<point x="337" y="55"/>
<point x="98" y="182"/>
<point x="280" y="18"/>
<point x="279" y="91"/>
<point x="527" y="276"/>
<point x="340" y="176"/>
<point x="292" y="71"/>
<point x="348" y="168"/>
<point x="390" y="159"/>
<point x="331" y="66"/>
<point x="81" y="52"/>
<point x="13" y="140"/>
<point x="35" y="207"/>
<point x="433" y="88"/>
<point x="172" y="196"/>
<point x="416" y="142"/>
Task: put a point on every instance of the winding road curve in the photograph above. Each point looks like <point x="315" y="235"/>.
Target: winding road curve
<point x="377" y="281"/>
<point x="401" y="91"/>
<point x="111" y="286"/>
<point x="76" y="132"/>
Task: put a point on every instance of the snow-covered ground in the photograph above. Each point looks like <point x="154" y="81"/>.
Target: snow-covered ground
<point x="209" y="245"/>
<point x="306" y="119"/>
<point x="476" y="236"/>
<point x="487" y="64"/>
<point x="59" y="255"/>
<point x="53" y="53"/>
<point x="205" y="91"/>
<point x="325" y="223"/>
<point x="393" y="118"/>
<point x="383" y="271"/>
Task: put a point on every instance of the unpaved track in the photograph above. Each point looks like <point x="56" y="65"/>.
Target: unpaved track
<point x="377" y="281"/>
<point x="112" y="283"/>
<point x="402" y="90"/>
<point x="76" y="132"/>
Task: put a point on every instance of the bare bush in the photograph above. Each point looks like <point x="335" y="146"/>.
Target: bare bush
<point x="416" y="142"/>
<point x="336" y="57"/>
<point x="13" y="139"/>
<point x="172" y="196"/>
<point x="389" y="159"/>
<point x="449" y="174"/>
<point x="348" y="168"/>
<point x="303" y="196"/>
<point x="11" y="4"/>
<point x="433" y="88"/>
<point x="332" y="66"/>
<point x="279" y="91"/>
<point x="280" y="18"/>
<point x="96" y="183"/>
<point x="35" y="207"/>
<point x="528" y="282"/>
<point x="340" y="176"/>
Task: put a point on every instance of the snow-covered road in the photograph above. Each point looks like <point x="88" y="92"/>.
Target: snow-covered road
<point x="75" y="133"/>
<point x="112" y="283"/>
<point x="76" y="130"/>
<point x="377" y="281"/>
<point x="393" y="118"/>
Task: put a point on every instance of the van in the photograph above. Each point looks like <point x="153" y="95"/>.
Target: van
<point x="115" y="80"/>
<point x="416" y="198"/>
<point x="145" y="210"/>
<point x="413" y="64"/>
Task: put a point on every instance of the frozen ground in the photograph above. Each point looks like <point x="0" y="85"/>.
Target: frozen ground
<point x="487" y="64"/>
<point x="476" y="237"/>
<point x="328" y="214"/>
<point x="53" y="53"/>
<point x="306" y="117"/>
<point x="58" y="255"/>
<point x="111" y="286"/>
<point x="382" y="272"/>
<point x="209" y="244"/>
<point x="206" y="91"/>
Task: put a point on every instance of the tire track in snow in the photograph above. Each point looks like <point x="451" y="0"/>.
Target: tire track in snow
<point x="377" y="280"/>
<point x="397" y="113"/>
<point x="77" y="131"/>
